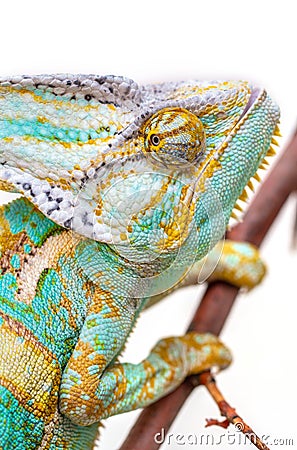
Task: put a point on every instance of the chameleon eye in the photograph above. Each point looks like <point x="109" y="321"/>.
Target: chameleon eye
<point x="174" y="136"/>
<point x="155" y="140"/>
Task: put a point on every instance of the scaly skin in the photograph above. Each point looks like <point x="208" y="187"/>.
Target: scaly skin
<point x="126" y="189"/>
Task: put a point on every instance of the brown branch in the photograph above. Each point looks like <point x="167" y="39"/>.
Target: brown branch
<point x="207" y="380"/>
<point x="219" y="298"/>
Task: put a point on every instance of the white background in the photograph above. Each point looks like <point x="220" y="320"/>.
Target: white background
<point x="168" y="40"/>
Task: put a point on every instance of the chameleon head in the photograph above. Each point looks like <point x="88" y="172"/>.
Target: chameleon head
<point x="143" y="168"/>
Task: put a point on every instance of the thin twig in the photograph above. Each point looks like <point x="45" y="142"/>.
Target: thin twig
<point x="207" y="380"/>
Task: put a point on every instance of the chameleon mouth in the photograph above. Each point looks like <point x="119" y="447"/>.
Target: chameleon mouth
<point x="211" y="162"/>
<point x="257" y="96"/>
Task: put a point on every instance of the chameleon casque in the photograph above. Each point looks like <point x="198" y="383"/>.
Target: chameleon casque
<point x="125" y="188"/>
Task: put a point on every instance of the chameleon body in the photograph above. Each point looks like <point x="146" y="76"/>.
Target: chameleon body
<point x="125" y="189"/>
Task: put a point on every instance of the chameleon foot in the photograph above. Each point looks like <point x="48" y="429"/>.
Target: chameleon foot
<point x="240" y="264"/>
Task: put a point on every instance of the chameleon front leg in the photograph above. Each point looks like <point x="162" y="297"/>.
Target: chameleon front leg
<point x="237" y="263"/>
<point x="95" y="385"/>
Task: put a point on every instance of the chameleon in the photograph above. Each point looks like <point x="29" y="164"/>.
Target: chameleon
<point x="125" y="195"/>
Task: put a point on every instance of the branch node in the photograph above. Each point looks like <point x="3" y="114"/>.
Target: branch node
<point x="223" y="423"/>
